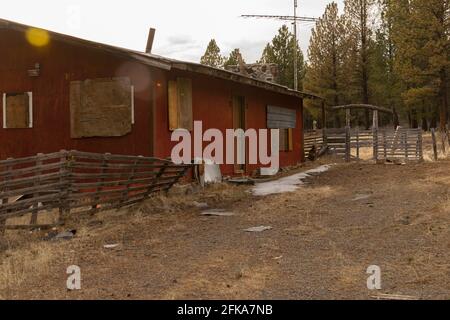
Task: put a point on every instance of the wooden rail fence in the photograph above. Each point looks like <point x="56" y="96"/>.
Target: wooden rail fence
<point x="387" y="144"/>
<point x="69" y="180"/>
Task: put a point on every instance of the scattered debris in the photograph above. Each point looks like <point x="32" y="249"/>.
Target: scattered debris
<point x="212" y="174"/>
<point x="287" y="184"/>
<point x="268" y="171"/>
<point x="382" y="296"/>
<point x="241" y="181"/>
<point x="111" y="246"/>
<point x="312" y="154"/>
<point x="262" y="71"/>
<point x="218" y="213"/>
<point x="200" y="205"/>
<point x="361" y="197"/>
<point x="258" y="229"/>
<point x="66" y="235"/>
<point x="94" y="223"/>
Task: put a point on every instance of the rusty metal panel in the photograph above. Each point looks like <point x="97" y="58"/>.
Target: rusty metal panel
<point x="281" y="118"/>
<point x="101" y="108"/>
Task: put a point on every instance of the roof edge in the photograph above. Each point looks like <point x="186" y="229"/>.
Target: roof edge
<point x="166" y="63"/>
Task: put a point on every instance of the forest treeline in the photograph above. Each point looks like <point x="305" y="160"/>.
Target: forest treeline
<point x="390" y="53"/>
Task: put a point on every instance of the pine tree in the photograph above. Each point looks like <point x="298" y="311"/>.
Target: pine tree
<point x="233" y="58"/>
<point x="324" y="73"/>
<point x="212" y="56"/>
<point x="358" y="14"/>
<point x="280" y="52"/>
<point x="421" y="38"/>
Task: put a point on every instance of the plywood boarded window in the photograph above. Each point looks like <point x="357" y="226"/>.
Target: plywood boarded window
<point x="101" y="107"/>
<point x="286" y="140"/>
<point x="17" y="110"/>
<point x="180" y="104"/>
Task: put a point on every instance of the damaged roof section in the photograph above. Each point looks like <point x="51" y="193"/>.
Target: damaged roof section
<point x="166" y="63"/>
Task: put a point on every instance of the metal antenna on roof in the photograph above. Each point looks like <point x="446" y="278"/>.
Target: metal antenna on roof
<point x="295" y="19"/>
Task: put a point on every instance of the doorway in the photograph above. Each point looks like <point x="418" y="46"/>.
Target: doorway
<point x="239" y="121"/>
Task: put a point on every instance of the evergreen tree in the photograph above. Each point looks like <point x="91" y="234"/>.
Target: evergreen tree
<point x="358" y="14"/>
<point x="421" y="36"/>
<point x="324" y="73"/>
<point x="280" y="52"/>
<point x="212" y="56"/>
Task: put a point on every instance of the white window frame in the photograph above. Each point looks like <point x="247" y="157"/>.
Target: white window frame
<point x="30" y="109"/>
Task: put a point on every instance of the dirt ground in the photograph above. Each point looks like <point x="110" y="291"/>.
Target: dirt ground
<point x="324" y="236"/>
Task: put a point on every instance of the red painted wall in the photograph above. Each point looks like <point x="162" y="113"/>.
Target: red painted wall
<point x="62" y="63"/>
<point x="212" y="104"/>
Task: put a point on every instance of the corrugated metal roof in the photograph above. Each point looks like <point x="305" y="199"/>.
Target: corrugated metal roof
<point x="167" y="63"/>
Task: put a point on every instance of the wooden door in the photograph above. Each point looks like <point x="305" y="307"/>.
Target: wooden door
<point x="239" y="123"/>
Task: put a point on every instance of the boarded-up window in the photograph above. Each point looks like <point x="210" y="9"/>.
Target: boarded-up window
<point x="281" y="118"/>
<point x="17" y="110"/>
<point x="284" y="119"/>
<point x="180" y="104"/>
<point x="101" y="107"/>
<point x="286" y="140"/>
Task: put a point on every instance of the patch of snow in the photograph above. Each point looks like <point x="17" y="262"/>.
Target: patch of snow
<point x="286" y="184"/>
<point x="218" y="213"/>
<point x="361" y="197"/>
<point x="258" y="229"/>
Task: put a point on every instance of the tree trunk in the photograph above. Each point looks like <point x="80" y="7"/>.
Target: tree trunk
<point x="444" y="101"/>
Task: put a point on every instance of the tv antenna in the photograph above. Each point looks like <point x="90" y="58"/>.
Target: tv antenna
<point x="294" y="19"/>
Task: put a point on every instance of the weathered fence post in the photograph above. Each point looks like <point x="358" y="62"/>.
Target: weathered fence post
<point x="420" y="147"/>
<point x="37" y="182"/>
<point x="348" y="117"/>
<point x="153" y="185"/>
<point x="433" y="137"/>
<point x="347" y="144"/>
<point x="448" y="134"/>
<point x="101" y="182"/>
<point x="324" y="137"/>
<point x="65" y="179"/>
<point x="5" y="200"/>
<point x="375" y="119"/>
<point x="126" y="193"/>
<point x="375" y="143"/>
<point x="443" y="138"/>
<point x="357" y="143"/>
<point x="406" y="145"/>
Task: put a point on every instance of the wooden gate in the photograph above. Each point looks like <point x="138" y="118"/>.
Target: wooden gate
<point x="400" y="144"/>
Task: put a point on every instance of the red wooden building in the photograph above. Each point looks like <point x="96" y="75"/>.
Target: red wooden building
<point x="60" y="92"/>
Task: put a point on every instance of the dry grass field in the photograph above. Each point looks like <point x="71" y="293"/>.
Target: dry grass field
<point x="324" y="236"/>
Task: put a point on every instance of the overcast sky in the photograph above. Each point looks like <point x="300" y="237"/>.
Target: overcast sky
<point x="183" y="27"/>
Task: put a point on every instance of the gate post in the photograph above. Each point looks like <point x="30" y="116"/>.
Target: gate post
<point x="347" y="144"/>
<point x="375" y="143"/>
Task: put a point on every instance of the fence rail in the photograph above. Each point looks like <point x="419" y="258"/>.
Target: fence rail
<point x="69" y="180"/>
<point x="398" y="144"/>
<point x="387" y="144"/>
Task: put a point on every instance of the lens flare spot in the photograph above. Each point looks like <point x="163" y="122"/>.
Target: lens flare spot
<point x="37" y="37"/>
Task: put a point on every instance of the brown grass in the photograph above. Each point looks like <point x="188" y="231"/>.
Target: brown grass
<point x="320" y="246"/>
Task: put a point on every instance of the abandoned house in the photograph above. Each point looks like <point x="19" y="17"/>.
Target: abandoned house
<point x="61" y="92"/>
